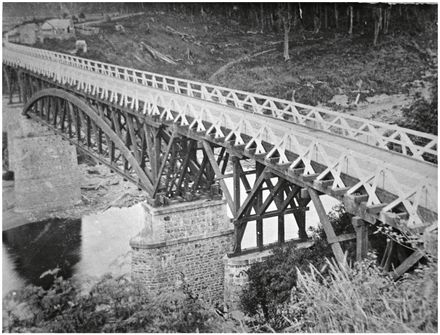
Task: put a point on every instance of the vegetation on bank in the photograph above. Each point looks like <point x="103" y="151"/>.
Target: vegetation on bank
<point x="361" y="299"/>
<point x="114" y="304"/>
<point x="304" y="290"/>
<point x="296" y="290"/>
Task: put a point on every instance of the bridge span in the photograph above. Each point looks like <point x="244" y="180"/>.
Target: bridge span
<point x="179" y="140"/>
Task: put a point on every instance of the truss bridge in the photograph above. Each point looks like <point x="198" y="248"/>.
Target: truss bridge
<point x="179" y="140"/>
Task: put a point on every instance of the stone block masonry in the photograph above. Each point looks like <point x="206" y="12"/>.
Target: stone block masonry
<point x="184" y="244"/>
<point x="45" y="166"/>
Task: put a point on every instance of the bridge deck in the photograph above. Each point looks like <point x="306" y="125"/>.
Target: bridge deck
<point x="389" y="166"/>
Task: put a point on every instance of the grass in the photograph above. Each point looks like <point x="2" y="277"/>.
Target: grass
<point x="362" y="299"/>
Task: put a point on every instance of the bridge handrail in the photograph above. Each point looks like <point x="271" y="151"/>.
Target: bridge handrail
<point x="414" y="186"/>
<point x="390" y="137"/>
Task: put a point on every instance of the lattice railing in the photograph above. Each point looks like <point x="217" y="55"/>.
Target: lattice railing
<point x="413" y="190"/>
<point x="421" y="146"/>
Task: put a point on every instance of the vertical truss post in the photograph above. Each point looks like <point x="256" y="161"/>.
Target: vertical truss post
<point x="300" y="218"/>
<point x="236" y="183"/>
<point x="303" y="199"/>
<point x="8" y="78"/>
<point x="156" y="155"/>
<point x="20" y="86"/>
<point x="236" y="171"/>
<point x="361" y="229"/>
<point x="258" y="202"/>
<point x="281" y="230"/>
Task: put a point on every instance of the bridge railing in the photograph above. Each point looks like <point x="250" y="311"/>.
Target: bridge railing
<point x="419" y="145"/>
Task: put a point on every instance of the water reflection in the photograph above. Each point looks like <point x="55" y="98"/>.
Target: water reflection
<point x="42" y="246"/>
<point x="90" y="247"/>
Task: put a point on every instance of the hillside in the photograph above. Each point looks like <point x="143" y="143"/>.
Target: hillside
<point x="327" y="68"/>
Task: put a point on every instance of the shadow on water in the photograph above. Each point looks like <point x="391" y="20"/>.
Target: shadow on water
<point x="86" y="248"/>
<point x="41" y="246"/>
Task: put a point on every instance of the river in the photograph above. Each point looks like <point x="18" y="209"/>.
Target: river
<point x="95" y="245"/>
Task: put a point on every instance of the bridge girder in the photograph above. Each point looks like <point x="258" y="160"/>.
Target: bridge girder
<point x="378" y="183"/>
<point x="362" y="194"/>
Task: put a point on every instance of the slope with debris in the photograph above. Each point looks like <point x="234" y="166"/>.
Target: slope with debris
<point x="324" y="68"/>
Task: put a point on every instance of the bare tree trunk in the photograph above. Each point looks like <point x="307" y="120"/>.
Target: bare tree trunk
<point x="295" y="17"/>
<point x="261" y="17"/>
<point x="287" y="17"/>
<point x="386" y="19"/>
<point x="325" y="16"/>
<point x="350" y="29"/>
<point x="358" y="15"/>
<point x="272" y="21"/>
<point x="336" y="16"/>
<point x="377" y="15"/>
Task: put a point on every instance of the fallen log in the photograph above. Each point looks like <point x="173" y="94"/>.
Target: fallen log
<point x="236" y="61"/>
<point x="158" y="55"/>
<point x="182" y="35"/>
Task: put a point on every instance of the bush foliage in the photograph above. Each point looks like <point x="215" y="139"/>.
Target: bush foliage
<point x="111" y="305"/>
<point x="271" y="281"/>
<point x="422" y="115"/>
<point x="300" y="290"/>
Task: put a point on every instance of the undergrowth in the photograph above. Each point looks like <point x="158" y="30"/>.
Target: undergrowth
<point x="362" y="299"/>
<point x="114" y="304"/>
<point x="301" y="290"/>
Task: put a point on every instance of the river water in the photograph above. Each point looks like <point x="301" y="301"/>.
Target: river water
<point x="89" y="247"/>
<point x="95" y="245"/>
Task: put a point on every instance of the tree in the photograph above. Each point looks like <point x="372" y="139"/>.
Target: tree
<point x="286" y="16"/>
<point x="377" y="17"/>
<point x="336" y="17"/>
<point x="316" y="20"/>
<point x="350" y="29"/>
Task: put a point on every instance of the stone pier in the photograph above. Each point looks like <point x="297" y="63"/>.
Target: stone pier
<point x="45" y="166"/>
<point x="184" y="244"/>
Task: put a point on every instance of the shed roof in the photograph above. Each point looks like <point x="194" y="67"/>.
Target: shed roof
<point x="56" y="24"/>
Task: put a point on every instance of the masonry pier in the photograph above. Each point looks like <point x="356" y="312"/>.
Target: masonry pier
<point x="184" y="244"/>
<point x="45" y="167"/>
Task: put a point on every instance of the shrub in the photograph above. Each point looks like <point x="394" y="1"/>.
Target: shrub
<point x="363" y="299"/>
<point x="271" y="281"/>
<point x="111" y="305"/>
<point x="422" y="115"/>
